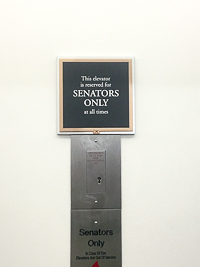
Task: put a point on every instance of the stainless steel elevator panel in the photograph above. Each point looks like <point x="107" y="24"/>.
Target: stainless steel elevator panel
<point x="96" y="238"/>
<point x="96" y="201"/>
<point x="96" y="172"/>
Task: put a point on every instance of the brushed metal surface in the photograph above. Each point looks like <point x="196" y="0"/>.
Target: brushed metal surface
<point x="96" y="171"/>
<point x="96" y="237"/>
<point x="86" y="193"/>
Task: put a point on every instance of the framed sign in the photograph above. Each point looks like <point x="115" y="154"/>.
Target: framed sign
<point x="95" y="96"/>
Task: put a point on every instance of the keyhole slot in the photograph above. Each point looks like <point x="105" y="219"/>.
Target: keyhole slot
<point x="99" y="179"/>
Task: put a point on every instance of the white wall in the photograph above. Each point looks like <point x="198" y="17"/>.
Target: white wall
<point x="160" y="164"/>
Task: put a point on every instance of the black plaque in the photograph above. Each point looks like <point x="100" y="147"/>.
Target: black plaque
<point x="95" y="95"/>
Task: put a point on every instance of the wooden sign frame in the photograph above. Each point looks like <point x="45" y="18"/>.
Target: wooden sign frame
<point x="67" y="67"/>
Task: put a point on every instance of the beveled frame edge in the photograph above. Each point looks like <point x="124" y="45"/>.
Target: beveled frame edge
<point x="69" y="131"/>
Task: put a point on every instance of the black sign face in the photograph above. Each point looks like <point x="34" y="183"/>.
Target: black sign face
<point x="95" y="95"/>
